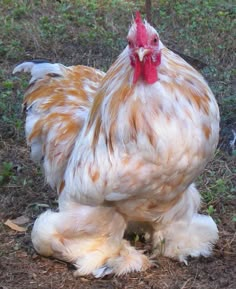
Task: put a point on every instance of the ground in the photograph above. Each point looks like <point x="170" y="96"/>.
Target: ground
<point x="93" y="34"/>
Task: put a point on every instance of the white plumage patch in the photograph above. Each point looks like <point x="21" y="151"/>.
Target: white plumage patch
<point x="184" y="238"/>
<point x="38" y="70"/>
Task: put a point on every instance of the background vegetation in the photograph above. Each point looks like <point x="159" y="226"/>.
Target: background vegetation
<point x="94" y="33"/>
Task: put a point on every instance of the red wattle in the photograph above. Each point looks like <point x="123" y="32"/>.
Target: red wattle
<point x="149" y="71"/>
<point x="146" y="69"/>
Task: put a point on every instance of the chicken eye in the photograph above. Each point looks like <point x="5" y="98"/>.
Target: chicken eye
<point x="155" y="40"/>
<point x="130" y="43"/>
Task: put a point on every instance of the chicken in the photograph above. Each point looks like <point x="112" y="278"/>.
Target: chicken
<point x="130" y="155"/>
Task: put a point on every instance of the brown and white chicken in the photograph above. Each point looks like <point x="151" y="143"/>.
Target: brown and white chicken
<point x="122" y="147"/>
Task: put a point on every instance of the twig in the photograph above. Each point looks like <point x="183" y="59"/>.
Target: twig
<point x="185" y="283"/>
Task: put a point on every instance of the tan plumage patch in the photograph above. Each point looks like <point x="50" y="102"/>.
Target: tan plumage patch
<point x="190" y="85"/>
<point x="61" y="101"/>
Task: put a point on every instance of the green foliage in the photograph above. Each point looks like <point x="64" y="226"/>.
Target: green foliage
<point x="136" y="238"/>
<point x="210" y="210"/>
<point x="49" y="27"/>
<point x="7" y="84"/>
<point x="6" y="172"/>
<point x="219" y="188"/>
<point x="10" y="107"/>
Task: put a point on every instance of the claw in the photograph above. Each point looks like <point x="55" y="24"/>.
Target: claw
<point x="183" y="259"/>
<point x="154" y="263"/>
<point x="102" y="271"/>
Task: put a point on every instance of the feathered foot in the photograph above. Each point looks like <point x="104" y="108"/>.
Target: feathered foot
<point x="85" y="236"/>
<point x="183" y="238"/>
<point x="183" y="232"/>
<point x="127" y="260"/>
<point x="91" y="238"/>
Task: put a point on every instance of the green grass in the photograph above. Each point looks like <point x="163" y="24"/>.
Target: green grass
<point x="6" y="172"/>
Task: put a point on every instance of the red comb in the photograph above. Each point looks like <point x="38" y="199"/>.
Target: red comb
<point x="141" y="31"/>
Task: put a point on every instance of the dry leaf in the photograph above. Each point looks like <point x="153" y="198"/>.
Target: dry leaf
<point x="15" y="227"/>
<point x="22" y="220"/>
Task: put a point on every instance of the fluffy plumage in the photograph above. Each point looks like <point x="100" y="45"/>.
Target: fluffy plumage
<point x="122" y="147"/>
<point x="56" y="103"/>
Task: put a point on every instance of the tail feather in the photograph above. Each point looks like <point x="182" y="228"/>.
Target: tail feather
<point x="39" y="69"/>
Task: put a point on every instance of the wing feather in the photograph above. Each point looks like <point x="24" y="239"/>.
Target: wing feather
<point x="56" y="103"/>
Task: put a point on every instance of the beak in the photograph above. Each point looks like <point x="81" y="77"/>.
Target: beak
<point x="142" y="52"/>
